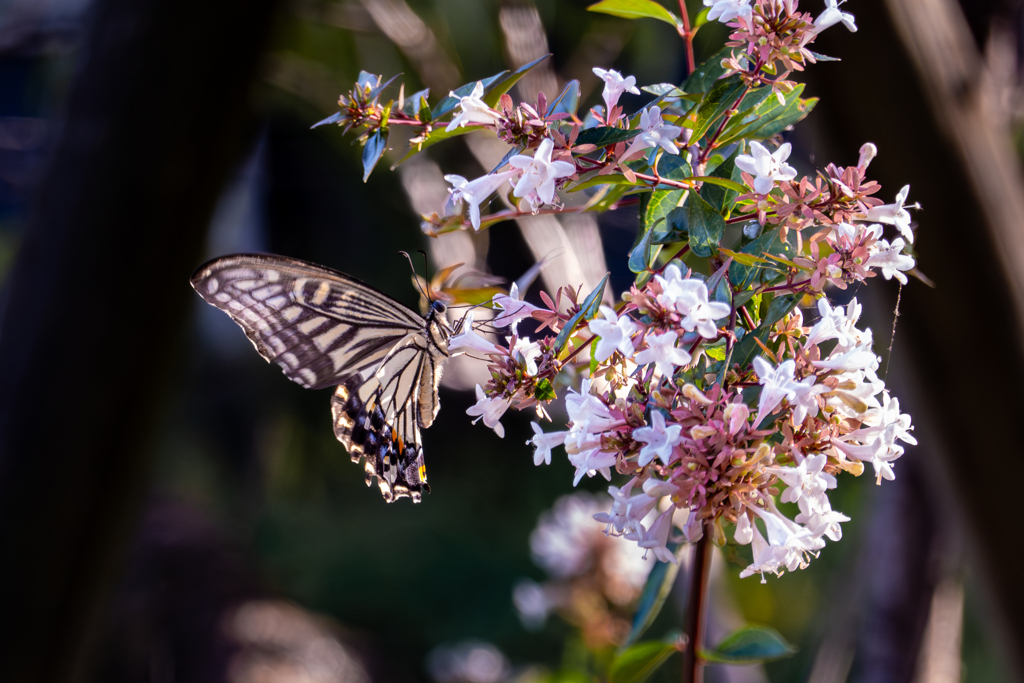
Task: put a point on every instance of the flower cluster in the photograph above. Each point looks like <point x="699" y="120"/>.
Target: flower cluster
<point x="784" y="422"/>
<point x="593" y="577"/>
<point x="703" y="388"/>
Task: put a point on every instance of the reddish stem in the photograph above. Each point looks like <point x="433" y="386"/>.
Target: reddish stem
<point x="696" y="608"/>
<point x="687" y="36"/>
<point x="788" y="285"/>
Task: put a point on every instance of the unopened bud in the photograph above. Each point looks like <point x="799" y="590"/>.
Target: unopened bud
<point x="762" y="452"/>
<point x="694" y="394"/>
<point x="702" y="432"/>
<point x="867" y="152"/>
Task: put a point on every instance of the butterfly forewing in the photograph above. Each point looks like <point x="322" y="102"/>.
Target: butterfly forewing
<point x="324" y="328"/>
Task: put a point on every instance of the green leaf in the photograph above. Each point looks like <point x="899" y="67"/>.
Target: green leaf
<point x="543" y="391"/>
<point x="367" y="80"/>
<point x="750" y="645"/>
<point x="415" y="102"/>
<point x="380" y="88"/>
<point x="635" y="9"/>
<point x="663" y="90"/>
<point x="746" y="274"/>
<point x="722" y="182"/>
<point x="640" y="253"/>
<point x="705" y="224"/>
<point x="769" y="117"/>
<point x="747" y="348"/>
<point x="700" y="19"/>
<point x="594" y="180"/>
<point x="508" y="155"/>
<point x="656" y="591"/>
<point x="641" y="256"/>
<point x="675" y="228"/>
<point x="435" y="136"/>
<point x="569" y="101"/>
<point x="705" y="75"/>
<point x="606" y="197"/>
<point x="638" y="662"/>
<point x="494" y="91"/>
<point x="778" y="309"/>
<point x="662" y="203"/>
<point x="587" y="311"/>
<point x="718" y="100"/>
<point x="333" y="118"/>
<point x="722" y="190"/>
<point x="372" y="152"/>
<point x="743" y="353"/>
<point x="602" y="136"/>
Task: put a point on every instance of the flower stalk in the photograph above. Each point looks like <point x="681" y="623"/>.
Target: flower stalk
<point x="696" y="608"/>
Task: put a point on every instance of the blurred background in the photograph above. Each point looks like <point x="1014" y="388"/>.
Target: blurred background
<point x="172" y="509"/>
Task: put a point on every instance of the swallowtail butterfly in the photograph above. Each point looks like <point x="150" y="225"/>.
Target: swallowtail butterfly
<point x="326" y="329"/>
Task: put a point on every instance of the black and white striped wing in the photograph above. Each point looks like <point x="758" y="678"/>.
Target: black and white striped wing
<point x="380" y="418"/>
<point x="320" y="326"/>
<point x="324" y="328"/>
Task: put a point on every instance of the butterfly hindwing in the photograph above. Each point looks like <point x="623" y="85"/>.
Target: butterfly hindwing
<point x="324" y="328"/>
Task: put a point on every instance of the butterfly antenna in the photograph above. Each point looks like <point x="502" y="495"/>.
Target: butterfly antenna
<point x="416" y="279"/>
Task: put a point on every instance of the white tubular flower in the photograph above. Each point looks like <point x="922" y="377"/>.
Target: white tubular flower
<point x="779" y="383"/>
<point x="661" y="350"/>
<point x="468" y="339"/>
<point x="891" y="259"/>
<point x="766" y="167"/>
<point x="473" y="109"/>
<point x="540" y="172"/>
<point x="894" y="214"/>
<point x="614" y="86"/>
<point x="659" y="439"/>
<point x="836" y="323"/>
<point x="702" y="313"/>
<point x="640" y="505"/>
<point x="616" y="517"/>
<point x="744" y="532"/>
<point x="476" y="192"/>
<point x="587" y="411"/>
<point x="656" y="539"/>
<point x="671" y="286"/>
<point x="824" y="523"/>
<point x="590" y="462"/>
<point x="490" y="410"/>
<point x="513" y="308"/>
<point x="868" y="151"/>
<point x="658" y="489"/>
<point x="689" y="297"/>
<point x="543" y="442"/>
<point x="807" y="484"/>
<point x="850" y="360"/>
<point x="530" y="351"/>
<point x="832" y="15"/>
<point x="615" y="334"/>
<point x="727" y="10"/>
<point x="656" y="133"/>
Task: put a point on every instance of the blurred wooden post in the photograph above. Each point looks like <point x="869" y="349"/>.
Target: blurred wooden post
<point x="914" y="82"/>
<point x="95" y="305"/>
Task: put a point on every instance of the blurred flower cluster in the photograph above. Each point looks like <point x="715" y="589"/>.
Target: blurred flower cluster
<point x="595" y="578"/>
